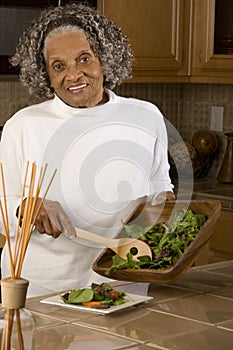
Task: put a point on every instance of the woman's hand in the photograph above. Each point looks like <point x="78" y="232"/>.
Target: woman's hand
<point x="51" y="219"/>
<point x="162" y="197"/>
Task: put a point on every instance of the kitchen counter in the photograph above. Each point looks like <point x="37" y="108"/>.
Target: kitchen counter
<point x="193" y="313"/>
<point x="205" y="188"/>
<point x="211" y="189"/>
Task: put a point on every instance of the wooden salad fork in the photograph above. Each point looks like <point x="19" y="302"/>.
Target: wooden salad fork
<point x="120" y="246"/>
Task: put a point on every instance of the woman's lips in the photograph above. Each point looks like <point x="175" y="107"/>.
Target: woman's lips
<point x="76" y="88"/>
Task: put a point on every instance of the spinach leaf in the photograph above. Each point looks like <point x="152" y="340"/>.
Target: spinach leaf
<point x="79" y="296"/>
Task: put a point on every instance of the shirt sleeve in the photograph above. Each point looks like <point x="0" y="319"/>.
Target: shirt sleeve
<point x="160" y="177"/>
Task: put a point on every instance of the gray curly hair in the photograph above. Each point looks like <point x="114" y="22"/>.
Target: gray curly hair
<point x="106" y="40"/>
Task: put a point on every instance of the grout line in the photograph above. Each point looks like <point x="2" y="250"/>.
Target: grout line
<point x="182" y="317"/>
<point x="225" y="328"/>
<point x="156" y="346"/>
<point x="219" y="296"/>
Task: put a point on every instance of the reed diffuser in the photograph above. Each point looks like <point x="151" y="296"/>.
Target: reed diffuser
<point x="17" y="323"/>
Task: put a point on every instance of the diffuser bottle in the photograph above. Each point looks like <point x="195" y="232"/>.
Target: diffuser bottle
<point x="16" y="324"/>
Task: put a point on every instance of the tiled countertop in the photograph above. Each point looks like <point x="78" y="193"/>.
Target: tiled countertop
<point x="193" y="313"/>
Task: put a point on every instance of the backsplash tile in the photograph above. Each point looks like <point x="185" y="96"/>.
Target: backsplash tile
<point x="199" y="92"/>
<point x="186" y="106"/>
<point x="194" y="116"/>
<point x="13" y="96"/>
<point x="228" y="117"/>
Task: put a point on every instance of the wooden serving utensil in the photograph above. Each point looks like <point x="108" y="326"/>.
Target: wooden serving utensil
<point x="120" y="246"/>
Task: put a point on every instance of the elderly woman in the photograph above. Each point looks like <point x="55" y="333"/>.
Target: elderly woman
<point x="110" y="151"/>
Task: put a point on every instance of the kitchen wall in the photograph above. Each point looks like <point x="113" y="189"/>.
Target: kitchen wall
<point x="186" y="106"/>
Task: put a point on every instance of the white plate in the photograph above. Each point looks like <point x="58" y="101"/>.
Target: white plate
<point x="130" y="300"/>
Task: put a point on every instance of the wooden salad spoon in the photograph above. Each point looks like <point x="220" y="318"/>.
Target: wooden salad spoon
<point x="120" y="246"/>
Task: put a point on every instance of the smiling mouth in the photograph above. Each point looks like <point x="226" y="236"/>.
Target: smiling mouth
<point x="77" y="87"/>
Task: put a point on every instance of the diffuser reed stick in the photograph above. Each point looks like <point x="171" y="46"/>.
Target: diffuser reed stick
<point x="25" y="224"/>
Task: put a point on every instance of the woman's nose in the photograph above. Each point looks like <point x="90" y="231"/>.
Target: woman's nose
<point x="74" y="72"/>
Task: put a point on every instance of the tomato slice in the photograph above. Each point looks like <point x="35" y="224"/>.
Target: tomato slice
<point x="113" y="294"/>
<point x="91" y="303"/>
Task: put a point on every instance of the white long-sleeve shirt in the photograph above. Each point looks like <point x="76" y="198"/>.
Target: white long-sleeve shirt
<point x="107" y="158"/>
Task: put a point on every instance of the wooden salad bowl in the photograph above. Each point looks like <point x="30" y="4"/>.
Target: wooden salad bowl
<point x="152" y="214"/>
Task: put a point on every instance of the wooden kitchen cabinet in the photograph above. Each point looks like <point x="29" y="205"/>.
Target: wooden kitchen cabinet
<point x="173" y="40"/>
<point x="156" y="32"/>
<point x="208" y="66"/>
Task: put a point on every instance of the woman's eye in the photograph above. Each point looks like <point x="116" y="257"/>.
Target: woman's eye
<point x="85" y="59"/>
<point x="57" y="66"/>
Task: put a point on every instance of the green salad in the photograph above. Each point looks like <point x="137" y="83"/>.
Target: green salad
<point x="167" y="241"/>
<point x="100" y="296"/>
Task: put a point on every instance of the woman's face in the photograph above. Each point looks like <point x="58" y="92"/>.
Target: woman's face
<point x="74" y="70"/>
